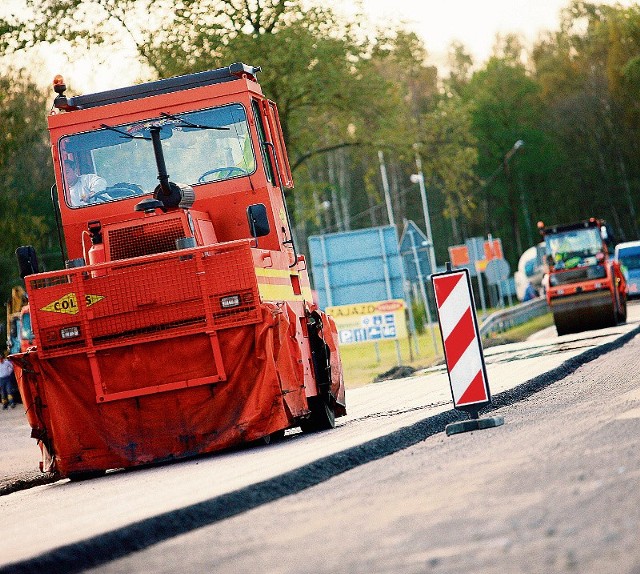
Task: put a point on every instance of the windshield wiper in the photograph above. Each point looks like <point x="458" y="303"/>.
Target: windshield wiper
<point x="123" y="133"/>
<point x="187" y="123"/>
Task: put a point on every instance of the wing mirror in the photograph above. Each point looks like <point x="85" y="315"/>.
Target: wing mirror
<point x="258" y="220"/>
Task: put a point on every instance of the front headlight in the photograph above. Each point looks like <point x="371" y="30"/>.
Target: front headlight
<point x="69" y="332"/>
<point x="230" y="301"/>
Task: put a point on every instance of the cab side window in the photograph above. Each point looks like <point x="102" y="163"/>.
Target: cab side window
<point x="266" y="157"/>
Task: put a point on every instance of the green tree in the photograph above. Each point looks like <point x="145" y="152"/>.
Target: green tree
<point x="25" y="177"/>
<point x="448" y="146"/>
<point x="506" y="107"/>
<point x="589" y="88"/>
<point x="460" y="66"/>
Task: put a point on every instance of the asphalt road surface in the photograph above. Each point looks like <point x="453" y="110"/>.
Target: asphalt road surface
<point x="556" y="489"/>
<point x="553" y="490"/>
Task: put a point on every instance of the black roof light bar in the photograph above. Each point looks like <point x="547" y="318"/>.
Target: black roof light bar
<point x="168" y="85"/>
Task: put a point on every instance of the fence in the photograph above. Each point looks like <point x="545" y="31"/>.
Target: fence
<point x="513" y="316"/>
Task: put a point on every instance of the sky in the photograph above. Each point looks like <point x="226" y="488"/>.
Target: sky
<point x="438" y="22"/>
<point x="475" y="24"/>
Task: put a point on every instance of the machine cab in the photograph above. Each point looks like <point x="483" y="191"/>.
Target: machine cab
<point x="201" y="155"/>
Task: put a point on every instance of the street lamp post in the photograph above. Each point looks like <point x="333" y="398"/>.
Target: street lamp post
<point x="504" y="166"/>
<point x="419" y="179"/>
<point x="423" y="291"/>
<point x="513" y="200"/>
<point x="513" y="150"/>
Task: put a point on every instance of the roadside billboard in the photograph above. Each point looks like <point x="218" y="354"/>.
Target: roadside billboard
<point x="370" y="322"/>
<point x="357" y="266"/>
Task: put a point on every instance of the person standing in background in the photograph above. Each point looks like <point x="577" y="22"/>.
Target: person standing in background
<point x="6" y="382"/>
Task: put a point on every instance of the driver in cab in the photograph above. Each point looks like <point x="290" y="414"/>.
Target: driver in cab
<point x="84" y="187"/>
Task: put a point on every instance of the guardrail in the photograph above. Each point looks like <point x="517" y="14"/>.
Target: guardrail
<point x="513" y="316"/>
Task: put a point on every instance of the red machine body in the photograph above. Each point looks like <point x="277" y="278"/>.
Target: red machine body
<point x="585" y="287"/>
<point x="184" y="322"/>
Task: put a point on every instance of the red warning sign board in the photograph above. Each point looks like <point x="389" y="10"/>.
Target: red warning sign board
<point x="459" y="255"/>
<point x="493" y="249"/>
<point x="461" y="340"/>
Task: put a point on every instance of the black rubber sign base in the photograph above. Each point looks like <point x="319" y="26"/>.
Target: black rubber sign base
<point x="473" y="424"/>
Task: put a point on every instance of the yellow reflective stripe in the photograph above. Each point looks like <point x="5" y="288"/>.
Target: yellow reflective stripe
<point x="307" y="295"/>
<point x="268" y="272"/>
<point x="269" y="292"/>
<point x="281" y="291"/>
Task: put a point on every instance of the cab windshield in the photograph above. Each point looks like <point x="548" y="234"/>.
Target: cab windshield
<point x="26" y="332"/>
<point x="117" y="161"/>
<point x="630" y="260"/>
<point x="572" y="248"/>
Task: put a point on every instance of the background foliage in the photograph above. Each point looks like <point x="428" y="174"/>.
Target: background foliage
<point x="346" y="92"/>
<point x="26" y="215"/>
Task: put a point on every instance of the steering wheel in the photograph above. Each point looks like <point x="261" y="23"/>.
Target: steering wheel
<point x="228" y="171"/>
<point x="117" y="191"/>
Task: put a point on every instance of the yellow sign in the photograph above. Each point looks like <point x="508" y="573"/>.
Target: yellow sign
<point x="366" y="322"/>
<point x="68" y="304"/>
<point x="481" y="265"/>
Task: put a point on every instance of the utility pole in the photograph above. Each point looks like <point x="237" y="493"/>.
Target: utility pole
<point x="385" y="187"/>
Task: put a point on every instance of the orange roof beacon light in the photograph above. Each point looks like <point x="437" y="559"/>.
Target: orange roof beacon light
<point x="59" y="87"/>
<point x="179" y="254"/>
<point x="58" y="84"/>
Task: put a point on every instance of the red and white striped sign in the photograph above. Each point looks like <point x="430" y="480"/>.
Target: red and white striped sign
<point x="461" y="339"/>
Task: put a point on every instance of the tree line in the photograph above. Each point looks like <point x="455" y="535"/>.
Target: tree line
<point x="346" y="92"/>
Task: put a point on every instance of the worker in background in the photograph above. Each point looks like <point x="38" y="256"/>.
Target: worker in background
<point x="14" y="306"/>
<point x="18" y="299"/>
<point x="530" y="293"/>
<point x="6" y="382"/>
<point x="82" y="188"/>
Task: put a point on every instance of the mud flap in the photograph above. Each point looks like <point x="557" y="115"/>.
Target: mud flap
<point x="327" y="368"/>
<point x="322" y="406"/>
<point x="82" y="435"/>
<point x="321" y="355"/>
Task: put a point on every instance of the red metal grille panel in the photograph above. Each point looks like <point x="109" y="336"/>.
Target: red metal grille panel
<point x="144" y="239"/>
<point x="224" y="277"/>
<point x="144" y="299"/>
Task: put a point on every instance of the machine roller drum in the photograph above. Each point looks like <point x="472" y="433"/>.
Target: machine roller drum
<point x="584" y="312"/>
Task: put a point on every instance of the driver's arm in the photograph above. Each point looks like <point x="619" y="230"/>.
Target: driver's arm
<point x="94" y="184"/>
